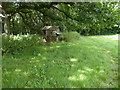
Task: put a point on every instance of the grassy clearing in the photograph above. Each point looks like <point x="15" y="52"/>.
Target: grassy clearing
<point x="91" y="62"/>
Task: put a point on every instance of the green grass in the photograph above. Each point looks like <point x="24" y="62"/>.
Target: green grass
<point x="91" y="62"/>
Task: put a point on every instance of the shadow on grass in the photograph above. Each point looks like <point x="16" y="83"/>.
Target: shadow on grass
<point x="59" y="65"/>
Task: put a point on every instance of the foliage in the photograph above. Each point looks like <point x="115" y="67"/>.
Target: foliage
<point x="70" y="36"/>
<point x="110" y="31"/>
<point x="91" y="62"/>
<point x="18" y="42"/>
<point x="87" y="18"/>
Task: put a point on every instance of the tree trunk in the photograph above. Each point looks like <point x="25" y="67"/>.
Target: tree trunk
<point x="6" y="18"/>
<point x="7" y="24"/>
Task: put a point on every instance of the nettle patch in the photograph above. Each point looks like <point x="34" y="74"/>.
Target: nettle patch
<point x="10" y="43"/>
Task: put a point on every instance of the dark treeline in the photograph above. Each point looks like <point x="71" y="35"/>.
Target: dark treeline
<point x="87" y="18"/>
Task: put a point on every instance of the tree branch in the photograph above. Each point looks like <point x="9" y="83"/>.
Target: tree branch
<point x="69" y="16"/>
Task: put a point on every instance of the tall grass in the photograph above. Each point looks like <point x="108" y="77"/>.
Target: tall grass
<point x="90" y="62"/>
<point x="12" y="43"/>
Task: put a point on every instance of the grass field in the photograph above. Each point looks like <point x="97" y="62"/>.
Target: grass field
<point x="91" y="62"/>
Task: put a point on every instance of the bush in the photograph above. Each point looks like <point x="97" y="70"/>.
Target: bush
<point x="70" y="36"/>
<point x="11" y="43"/>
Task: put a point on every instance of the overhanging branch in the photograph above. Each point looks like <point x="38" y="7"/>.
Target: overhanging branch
<point x="69" y="16"/>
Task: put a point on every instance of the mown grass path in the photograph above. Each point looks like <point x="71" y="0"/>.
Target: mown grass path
<point x="91" y="62"/>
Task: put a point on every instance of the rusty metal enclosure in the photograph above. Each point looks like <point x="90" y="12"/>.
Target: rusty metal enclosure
<point x="51" y="33"/>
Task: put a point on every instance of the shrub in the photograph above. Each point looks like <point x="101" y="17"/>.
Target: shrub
<point x="70" y="36"/>
<point x="11" y="43"/>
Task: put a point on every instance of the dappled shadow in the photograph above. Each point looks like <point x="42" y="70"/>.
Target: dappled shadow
<point x="22" y="73"/>
<point x="59" y="65"/>
<point x="43" y="71"/>
<point x="85" y="76"/>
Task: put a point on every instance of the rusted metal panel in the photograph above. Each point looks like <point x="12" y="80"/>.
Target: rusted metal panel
<point x="51" y="33"/>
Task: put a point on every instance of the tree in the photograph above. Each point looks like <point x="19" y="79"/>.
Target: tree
<point x="83" y="17"/>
